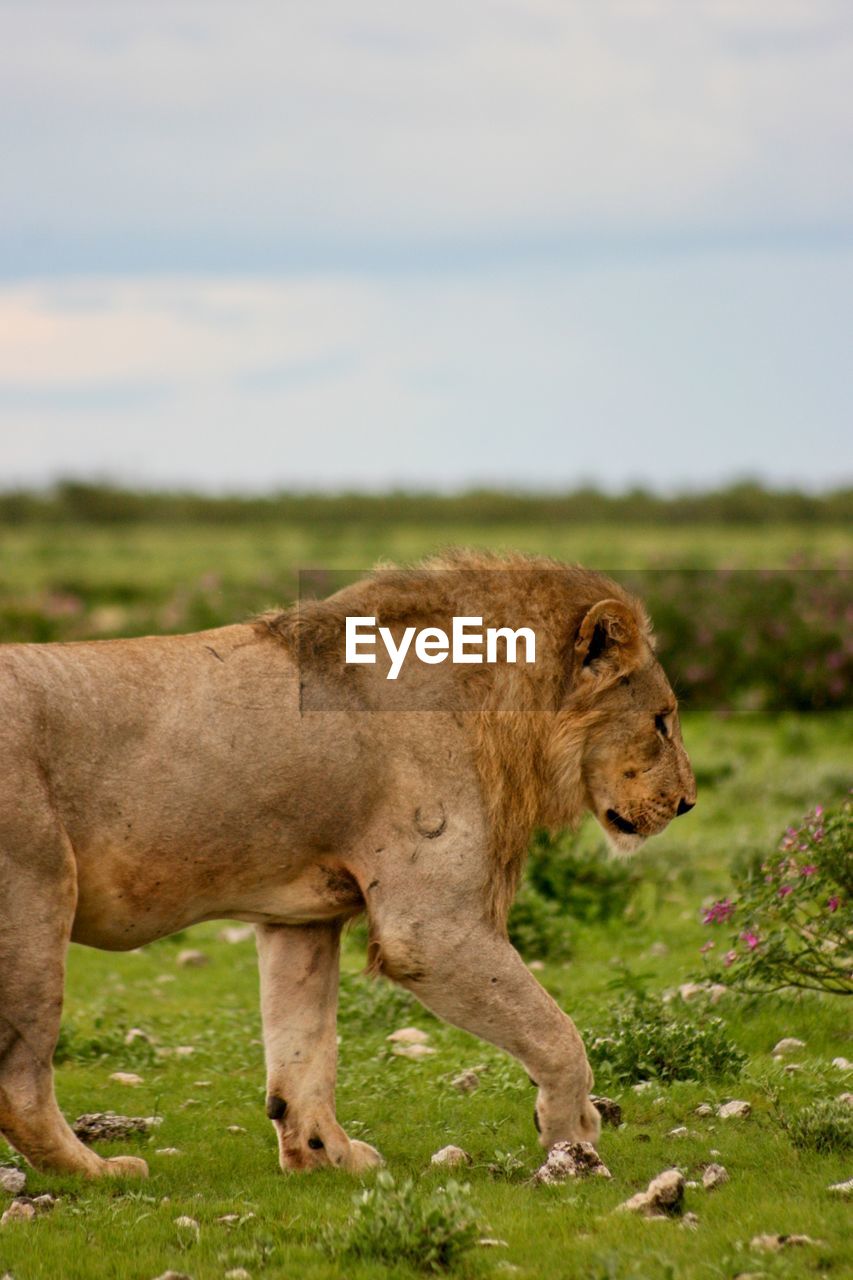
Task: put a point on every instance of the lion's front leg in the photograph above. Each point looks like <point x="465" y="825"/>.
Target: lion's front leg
<point x="299" y="1001"/>
<point x="471" y="976"/>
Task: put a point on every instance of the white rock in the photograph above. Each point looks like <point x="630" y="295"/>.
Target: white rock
<point x="127" y="1077"/>
<point x="184" y="1050"/>
<point x="735" y="1109"/>
<point x="643" y="1086"/>
<point x="234" y="933"/>
<point x="187" y="1224"/>
<point x="690" y="1221"/>
<point x="492" y="1242"/>
<point x="717" y="991"/>
<point x="236" y="1128"/>
<point x="571" y="1160"/>
<point x="136" y="1034"/>
<point x="18" y="1211"/>
<point x="453" y="1157"/>
<point x="841" y="1064"/>
<point x="846" y="1098"/>
<point x="791" y="1068"/>
<point x="664" y="1195"/>
<point x="191" y="959"/>
<point x="681" y="1131"/>
<point x="202" y="1084"/>
<point x="704" y="1109"/>
<point x="408" y="1035"/>
<point x="842" y="1189"/>
<point x="536" y="966"/>
<point x="466" y="1082"/>
<point x="714" y="1176"/>
<point x="238" y="1273"/>
<point x="167" y="1151"/>
<point x="690" y="990"/>
<point x="789" y="1045"/>
<point x="12" y="1181"/>
<point x="773" y="1243"/>
<point x="414" y="1051"/>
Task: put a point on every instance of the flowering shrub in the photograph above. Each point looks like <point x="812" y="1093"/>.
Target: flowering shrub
<point x="789" y="922"/>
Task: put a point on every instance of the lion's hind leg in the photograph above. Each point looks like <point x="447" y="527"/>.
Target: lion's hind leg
<point x="299" y="1002"/>
<point x="37" y="906"/>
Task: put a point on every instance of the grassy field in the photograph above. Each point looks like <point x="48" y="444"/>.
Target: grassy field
<point x="755" y="775"/>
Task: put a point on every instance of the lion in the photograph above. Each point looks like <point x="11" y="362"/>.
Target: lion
<point x="250" y="773"/>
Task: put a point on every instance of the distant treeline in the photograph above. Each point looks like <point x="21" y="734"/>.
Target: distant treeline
<point x="748" y="503"/>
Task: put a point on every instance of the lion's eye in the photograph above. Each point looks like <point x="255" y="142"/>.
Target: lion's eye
<point x="662" y="726"/>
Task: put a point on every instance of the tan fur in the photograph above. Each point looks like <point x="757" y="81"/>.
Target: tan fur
<point x="247" y="773"/>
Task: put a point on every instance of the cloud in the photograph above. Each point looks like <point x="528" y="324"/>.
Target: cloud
<point x="225" y="135"/>
<point x="682" y="371"/>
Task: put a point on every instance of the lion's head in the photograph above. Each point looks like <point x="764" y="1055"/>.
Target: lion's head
<point x="633" y="767"/>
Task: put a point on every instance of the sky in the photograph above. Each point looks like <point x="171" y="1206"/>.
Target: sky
<point x="529" y="244"/>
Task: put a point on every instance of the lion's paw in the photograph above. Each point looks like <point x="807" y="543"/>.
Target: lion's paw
<point x="362" y="1157"/>
<point x="123" y="1167"/>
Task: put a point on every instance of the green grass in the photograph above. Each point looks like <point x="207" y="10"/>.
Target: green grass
<point x="754" y="774"/>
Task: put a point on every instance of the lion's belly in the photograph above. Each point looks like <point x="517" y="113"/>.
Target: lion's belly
<point x="123" y="903"/>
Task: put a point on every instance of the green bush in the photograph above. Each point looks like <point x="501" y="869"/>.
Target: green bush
<point x="790" y="913"/>
<point x="646" y="1039"/>
<point x="537" y="927"/>
<point x="428" y="1229"/>
<point x="581" y="875"/>
<point x="824" y="1126"/>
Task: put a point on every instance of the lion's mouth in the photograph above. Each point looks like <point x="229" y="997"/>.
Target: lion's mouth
<point x="621" y="824"/>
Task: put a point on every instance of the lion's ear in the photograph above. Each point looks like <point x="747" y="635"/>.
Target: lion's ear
<point x="609" y="641"/>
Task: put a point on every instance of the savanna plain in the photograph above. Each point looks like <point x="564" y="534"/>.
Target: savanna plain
<point x="615" y="943"/>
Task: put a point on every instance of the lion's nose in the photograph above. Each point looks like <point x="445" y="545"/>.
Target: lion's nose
<point x="684" y="807"/>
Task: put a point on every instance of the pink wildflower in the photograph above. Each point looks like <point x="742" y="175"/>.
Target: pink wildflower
<point x="750" y="939"/>
<point x="818" y="811"/>
<point x="718" y="912"/>
<point x="730" y="958"/>
<point x="707" y="947"/>
<point x="833" y="903"/>
<point x="785" y="890"/>
<point x="809" y="870"/>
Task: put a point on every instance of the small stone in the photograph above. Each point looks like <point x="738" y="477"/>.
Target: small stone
<point x="234" y="933"/>
<point x="643" y="1086"/>
<point x="408" y="1035"/>
<point x="714" y="1176"/>
<point x="466" y="1082"/>
<point x="136" y="1035"/>
<point x="187" y="1224"/>
<point x="664" y="1195"/>
<point x="787" y="1046"/>
<point x="841" y="1064"/>
<point x="717" y="991"/>
<point x="610" y="1111"/>
<point x="690" y="990"/>
<point x="18" y="1211"/>
<point x="238" y="1273"/>
<point x="704" y="1109"/>
<point x="184" y="1050"/>
<point x="536" y="966"/>
<point x="191" y="959"/>
<point x="570" y="1160"/>
<point x="453" y="1157"/>
<point x="129" y="1078"/>
<point x="43" y="1203"/>
<point x="846" y="1098"/>
<point x="12" y="1180"/>
<point x="735" y="1109"/>
<point x="680" y="1132"/>
<point x="690" y="1221"/>
<point x="492" y="1242"/>
<point x="173" y="1275"/>
<point x="167" y="1151"/>
<point x="774" y="1243"/>
<point x="202" y="1084"/>
<point x="236" y="1128"/>
<point x="234" y="1219"/>
<point x="791" y="1068"/>
<point x="414" y="1051"/>
<point x="842" y="1189"/>
<point x="106" y="1126"/>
